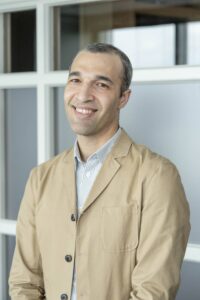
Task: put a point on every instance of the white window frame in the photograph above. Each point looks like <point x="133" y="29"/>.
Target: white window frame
<point x="43" y="80"/>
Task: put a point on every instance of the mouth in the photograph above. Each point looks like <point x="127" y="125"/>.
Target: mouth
<point x="84" y="111"/>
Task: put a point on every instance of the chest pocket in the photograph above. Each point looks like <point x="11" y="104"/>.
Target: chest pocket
<point x="119" y="229"/>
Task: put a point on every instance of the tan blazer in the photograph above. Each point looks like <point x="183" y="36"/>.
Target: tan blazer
<point x="128" y="243"/>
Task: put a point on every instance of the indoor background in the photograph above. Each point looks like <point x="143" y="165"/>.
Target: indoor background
<point x="38" y="40"/>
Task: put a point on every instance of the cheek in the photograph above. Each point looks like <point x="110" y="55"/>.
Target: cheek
<point x="112" y="107"/>
<point x="110" y="112"/>
<point x="67" y="103"/>
<point x="67" y="97"/>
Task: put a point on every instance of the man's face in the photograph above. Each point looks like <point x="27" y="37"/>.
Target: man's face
<point x="93" y="93"/>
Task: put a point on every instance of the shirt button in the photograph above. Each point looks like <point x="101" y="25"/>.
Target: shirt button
<point x="73" y="218"/>
<point x="68" y="258"/>
<point x="64" y="297"/>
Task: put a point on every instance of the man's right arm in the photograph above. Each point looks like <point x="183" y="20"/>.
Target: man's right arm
<point x="26" y="278"/>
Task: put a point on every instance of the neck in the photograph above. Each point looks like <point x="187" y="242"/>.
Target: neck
<point x="90" y="144"/>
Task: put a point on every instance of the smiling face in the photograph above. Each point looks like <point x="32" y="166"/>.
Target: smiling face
<point x="93" y="94"/>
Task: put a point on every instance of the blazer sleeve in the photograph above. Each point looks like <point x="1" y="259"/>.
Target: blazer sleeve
<point x="26" y="278"/>
<point x="164" y="231"/>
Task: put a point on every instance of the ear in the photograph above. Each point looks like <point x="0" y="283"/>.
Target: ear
<point x="124" y="98"/>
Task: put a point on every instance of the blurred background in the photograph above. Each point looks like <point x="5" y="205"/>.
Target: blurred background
<point x="38" y="40"/>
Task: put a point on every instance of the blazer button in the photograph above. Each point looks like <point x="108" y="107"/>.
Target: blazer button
<point x="64" y="297"/>
<point x="73" y="217"/>
<point x="68" y="258"/>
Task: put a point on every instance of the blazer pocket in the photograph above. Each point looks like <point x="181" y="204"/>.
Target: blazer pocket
<point x="119" y="229"/>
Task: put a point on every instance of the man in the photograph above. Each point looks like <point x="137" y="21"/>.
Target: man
<point x="108" y="219"/>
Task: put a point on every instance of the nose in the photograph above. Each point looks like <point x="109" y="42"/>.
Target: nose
<point x="84" y="93"/>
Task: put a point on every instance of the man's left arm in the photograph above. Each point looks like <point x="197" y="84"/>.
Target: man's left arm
<point x="164" y="231"/>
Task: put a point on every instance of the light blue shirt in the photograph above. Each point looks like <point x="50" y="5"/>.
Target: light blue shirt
<point x="86" y="172"/>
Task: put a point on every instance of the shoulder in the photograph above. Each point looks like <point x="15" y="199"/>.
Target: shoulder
<point x="148" y="162"/>
<point x="51" y="165"/>
<point x="158" y="178"/>
<point x="151" y="161"/>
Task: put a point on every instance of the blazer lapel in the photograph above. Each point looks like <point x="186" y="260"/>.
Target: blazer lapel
<point x="107" y="172"/>
<point x="109" y="168"/>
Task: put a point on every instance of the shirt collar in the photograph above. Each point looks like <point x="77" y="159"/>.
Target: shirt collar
<point x="101" y="153"/>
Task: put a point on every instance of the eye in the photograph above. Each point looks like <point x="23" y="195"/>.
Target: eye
<point x="102" y="85"/>
<point x="74" y="80"/>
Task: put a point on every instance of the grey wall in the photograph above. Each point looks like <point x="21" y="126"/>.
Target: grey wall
<point x="21" y="152"/>
<point x="21" y="144"/>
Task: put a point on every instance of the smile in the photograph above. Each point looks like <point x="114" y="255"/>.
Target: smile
<point x="84" y="111"/>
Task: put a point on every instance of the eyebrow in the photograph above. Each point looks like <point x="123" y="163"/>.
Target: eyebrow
<point x="97" y="77"/>
<point x="75" y="73"/>
<point x="104" y="78"/>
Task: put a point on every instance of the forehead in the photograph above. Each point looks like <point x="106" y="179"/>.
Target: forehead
<point x="108" y="64"/>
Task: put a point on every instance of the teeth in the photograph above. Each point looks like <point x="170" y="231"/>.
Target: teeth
<point x="84" y="111"/>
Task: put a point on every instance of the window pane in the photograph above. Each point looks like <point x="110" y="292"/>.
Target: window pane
<point x="21" y="144"/>
<point x="189" y="288"/>
<point x="166" y="118"/>
<point x="152" y="34"/>
<point x="64" y="137"/>
<point x="20" y="41"/>
<point x="142" y="46"/>
<point x="193" y="43"/>
<point x="10" y="246"/>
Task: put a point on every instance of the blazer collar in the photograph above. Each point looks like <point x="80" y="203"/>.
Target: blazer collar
<point x="122" y="145"/>
<point x="120" y="148"/>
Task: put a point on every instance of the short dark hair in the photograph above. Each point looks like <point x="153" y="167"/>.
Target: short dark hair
<point x="127" y="66"/>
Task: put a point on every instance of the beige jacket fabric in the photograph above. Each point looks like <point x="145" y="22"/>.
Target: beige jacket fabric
<point x="128" y="243"/>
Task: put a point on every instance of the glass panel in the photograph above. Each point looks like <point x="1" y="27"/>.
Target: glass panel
<point x="20" y="41"/>
<point x="10" y="246"/>
<point x="193" y="43"/>
<point x="166" y="118"/>
<point x="152" y="34"/>
<point x="64" y="137"/>
<point x="143" y="55"/>
<point x="189" y="288"/>
<point x="21" y="144"/>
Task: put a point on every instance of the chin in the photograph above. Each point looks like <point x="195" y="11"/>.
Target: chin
<point x="83" y="131"/>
